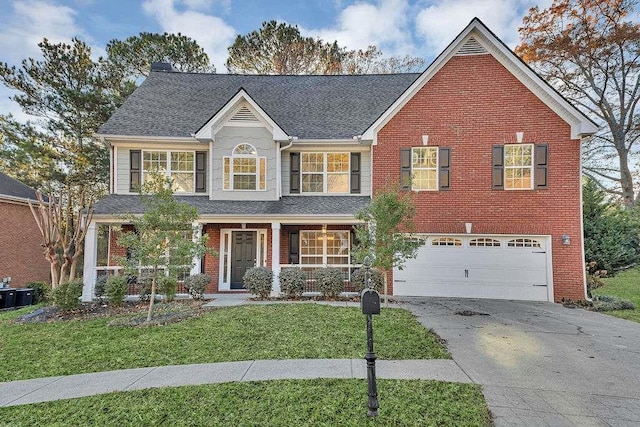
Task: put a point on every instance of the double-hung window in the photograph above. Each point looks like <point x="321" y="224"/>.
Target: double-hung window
<point x="424" y="168"/>
<point x="520" y="167"/>
<point x="177" y="165"/>
<point x="325" y="172"/>
<point x="244" y="169"/>
<point x="324" y="247"/>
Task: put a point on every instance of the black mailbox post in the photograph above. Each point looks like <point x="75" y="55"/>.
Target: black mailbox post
<point x="370" y="305"/>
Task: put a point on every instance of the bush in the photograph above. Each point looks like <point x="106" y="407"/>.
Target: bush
<point x="100" y="288"/>
<point x="329" y="281"/>
<point x="143" y="287"/>
<point x="67" y="295"/>
<point x="168" y="286"/>
<point x="196" y="285"/>
<point x="116" y="289"/>
<point x="292" y="282"/>
<point x="41" y="291"/>
<point x="610" y="303"/>
<point x="377" y="279"/>
<point x="259" y="281"/>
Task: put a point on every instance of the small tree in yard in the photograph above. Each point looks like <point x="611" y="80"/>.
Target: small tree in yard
<point x="162" y="241"/>
<point x="385" y="231"/>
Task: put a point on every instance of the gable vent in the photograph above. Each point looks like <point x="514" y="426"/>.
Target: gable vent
<point x="471" y="47"/>
<point x="244" y="115"/>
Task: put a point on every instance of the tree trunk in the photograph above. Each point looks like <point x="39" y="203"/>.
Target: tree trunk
<point x="626" y="178"/>
<point x="153" y="294"/>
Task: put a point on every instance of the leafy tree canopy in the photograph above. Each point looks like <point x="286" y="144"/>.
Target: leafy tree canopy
<point x="590" y="51"/>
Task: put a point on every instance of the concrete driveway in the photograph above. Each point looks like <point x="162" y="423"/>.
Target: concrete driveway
<point x="541" y="363"/>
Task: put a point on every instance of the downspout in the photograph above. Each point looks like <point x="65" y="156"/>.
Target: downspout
<point x="584" y="273"/>
<point x="279" y="164"/>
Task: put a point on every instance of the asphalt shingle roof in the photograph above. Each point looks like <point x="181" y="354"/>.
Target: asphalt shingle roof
<point x="115" y="204"/>
<point x="14" y="188"/>
<point x="173" y="104"/>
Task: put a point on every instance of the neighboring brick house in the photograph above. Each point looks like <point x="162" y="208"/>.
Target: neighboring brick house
<point x="21" y="252"/>
<point x="279" y="165"/>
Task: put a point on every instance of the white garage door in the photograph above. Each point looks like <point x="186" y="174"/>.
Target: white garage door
<point x="478" y="267"/>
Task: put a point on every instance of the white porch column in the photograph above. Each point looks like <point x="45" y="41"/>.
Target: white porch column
<point x="275" y="257"/>
<point x="197" y="261"/>
<point x="89" y="274"/>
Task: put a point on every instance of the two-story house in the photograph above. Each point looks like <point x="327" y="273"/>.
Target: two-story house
<point x="279" y="165"/>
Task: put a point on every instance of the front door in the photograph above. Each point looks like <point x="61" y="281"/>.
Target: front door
<point x="243" y="255"/>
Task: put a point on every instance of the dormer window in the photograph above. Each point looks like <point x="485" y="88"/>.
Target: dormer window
<point x="244" y="169"/>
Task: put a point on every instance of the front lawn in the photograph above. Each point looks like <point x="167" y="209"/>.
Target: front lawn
<point x="282" y="331"/>
<point x="624" y="285"/>
<point x="319" y="402"/>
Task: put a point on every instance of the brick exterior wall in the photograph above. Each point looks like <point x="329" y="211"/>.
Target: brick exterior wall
<point x="21" y="253"/>
<point x="471" y="104"/>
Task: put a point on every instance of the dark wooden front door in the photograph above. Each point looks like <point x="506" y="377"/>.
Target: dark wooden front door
<point x="243" y="255"/>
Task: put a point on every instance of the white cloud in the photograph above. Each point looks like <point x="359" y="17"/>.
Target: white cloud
<point x="211" y="32"/>
<point x="441" y="22"/>
<point x="29" y="22"/>
<point x="384" y="23"/>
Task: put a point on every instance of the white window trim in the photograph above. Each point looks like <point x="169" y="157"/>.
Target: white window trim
<point x="531" y="170"/>
<point x="224" y="278"/>
<point x="167" y="171"/>
<point x="436" y="169"/>
<point x="324" y="172"/>
<point x="325" y="256"/>
<point x="257" y="174"/>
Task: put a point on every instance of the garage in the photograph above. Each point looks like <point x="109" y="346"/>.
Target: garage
<point x="474" y="266"/>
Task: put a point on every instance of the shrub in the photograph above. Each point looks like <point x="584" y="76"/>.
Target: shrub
<point x="196" y="285"/>
<point x="116" y="289"/>
<point x="100" y="288"/>
<point x="143" y="287"/>
<point x="67" y="295"/>
<point x="329" y="281"/>
<point x="292" y="282"/>
<point x="259" y="281"/>
<point x="610" y="303"/>
<point x="41" y="291"/>
<point x="168" y="286"/>
<point x="377" y="279"/>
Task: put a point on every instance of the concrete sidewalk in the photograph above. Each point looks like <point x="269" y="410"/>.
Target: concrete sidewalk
<point x="73" y="386"/>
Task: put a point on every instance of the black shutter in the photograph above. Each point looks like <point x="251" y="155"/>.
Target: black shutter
<point x="294" y="247"/>
<point x="405" y="168"/>
<point x="541" y="165"/>
<point x="134" y="170"/>
<point x="294" y="174"/>
<point x="498" y="167"/>
<point x="355" y="173"/>
<point x="201" y="171"/>
<point x="444" y="172"/>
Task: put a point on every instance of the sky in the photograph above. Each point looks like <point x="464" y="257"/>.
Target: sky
<point x="398" y="27"/>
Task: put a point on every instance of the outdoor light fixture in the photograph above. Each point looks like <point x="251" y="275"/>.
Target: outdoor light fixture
<point x="566" y="240"/>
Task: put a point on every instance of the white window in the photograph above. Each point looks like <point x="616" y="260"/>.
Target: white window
<point x="245" y="170"/>
<point x="177" y="165"/>
<point x="523" y="243"/>
<point x="325" y="172"/>
<point x="424" y="168"/>
<point x="446" y="241"/>
<point x="518" y="166"/>
<point x="324" y="248"/>
<point x="484" y="242"/>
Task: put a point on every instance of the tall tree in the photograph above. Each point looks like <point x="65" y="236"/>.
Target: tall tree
<point x="372" y="61"/>
<point x="590" y="51"/>
<point x="279" y="48"/>
<point x="134" y="55"/>
<point x="385" y="231"/>
<point x="162" y="241"/>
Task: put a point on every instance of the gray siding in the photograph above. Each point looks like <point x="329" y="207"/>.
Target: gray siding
<point x="122" y="173"/>
<point x="225" y="141"/>
<point x="365" y="160"/>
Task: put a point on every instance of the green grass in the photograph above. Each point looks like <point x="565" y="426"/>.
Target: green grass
<point x="325" y="402"/>
<point x="624" y="285"/>
<point x="284" y="331"/>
